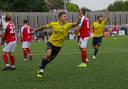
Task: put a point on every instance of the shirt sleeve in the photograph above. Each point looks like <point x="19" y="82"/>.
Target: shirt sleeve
<point x="81" y="22"/>
<point x="4" y="27"/>
<point x="70" y="26"/>
<point x="104" y="22"/>
<point x="50" y="25"/>
<point x="92" y="26"/>
<point x="22" y="28"/>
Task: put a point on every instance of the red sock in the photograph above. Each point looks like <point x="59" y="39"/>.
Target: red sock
<point x="5" y="57"/>
<point x="83" y="55"/>
<point x="12" y="59"/>
<point x="28" y="51"/>
<point x="25" y="53"/>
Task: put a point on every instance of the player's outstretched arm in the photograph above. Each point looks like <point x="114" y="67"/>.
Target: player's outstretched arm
<point x="106" y="16"/>
<point x="79" y="24"/>
<point x="41" y="28"/>
<point x="76" y="23"/>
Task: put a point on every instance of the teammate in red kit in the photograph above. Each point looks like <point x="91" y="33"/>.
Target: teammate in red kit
<point x="9" y="43"/>
<point x="26" y="40"/>
<point x="115" y="31"/>
<point x="84" y="29"/>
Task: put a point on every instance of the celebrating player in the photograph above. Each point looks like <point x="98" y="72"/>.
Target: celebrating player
<point x="60" y="31"/>
<point x="84" y="29"/>
<point x="98" y="29"/>
<point x="26" y="40"/>
<point x="9" y="43"/>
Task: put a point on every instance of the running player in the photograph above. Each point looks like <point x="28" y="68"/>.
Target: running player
<point x="9" y="43"/>
<point x="98" y="29"/>
<point x="26" y="40"/>
<point x="84" y="29"/>
<point x="60" y="31"/>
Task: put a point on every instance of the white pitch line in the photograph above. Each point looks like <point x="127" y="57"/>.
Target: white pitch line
<point x="88" y="50"/>
<point x="126" y="51"/>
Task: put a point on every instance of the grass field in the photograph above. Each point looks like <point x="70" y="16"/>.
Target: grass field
<point x="108" y="71"/>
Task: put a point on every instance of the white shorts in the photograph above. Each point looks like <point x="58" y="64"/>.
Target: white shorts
<point x="10" y="47"/>
<point x="26" y="44"/>
<point x="115" y="32"/>
<point x="83" y="42"/>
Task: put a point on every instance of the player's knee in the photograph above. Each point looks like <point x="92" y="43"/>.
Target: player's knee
<point x="4" y="53"/>
<point x="48" y="56"/>
<point x="83" y="49"/>
<point x="24" y="49"/>
<point x="11" y="54"/>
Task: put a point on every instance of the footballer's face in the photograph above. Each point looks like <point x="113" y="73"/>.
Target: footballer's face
<point x="64" y="18"/>
<point x="100" y="19"/>
<point x="81" y="13"/>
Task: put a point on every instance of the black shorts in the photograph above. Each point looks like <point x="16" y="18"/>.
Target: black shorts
<point x="97" y="41"/>
<point x="55" y="50"/>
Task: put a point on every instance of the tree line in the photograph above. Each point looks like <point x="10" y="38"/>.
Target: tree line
<point x="118" y="6"/>
<point x="33" y="6"/>
<point x="41" y="6"/>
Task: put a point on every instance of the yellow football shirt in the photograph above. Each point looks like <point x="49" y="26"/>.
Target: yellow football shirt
<point x="98" y="28"/>
<point x="59" y="33"/>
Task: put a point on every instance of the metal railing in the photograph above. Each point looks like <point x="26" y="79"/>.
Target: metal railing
<point x="38" y="18"/>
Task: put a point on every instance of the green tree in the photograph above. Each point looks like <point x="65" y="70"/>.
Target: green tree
<point x="72" y="7"/>
<point x="118" y="6"/>
<point x="23" y="5"/>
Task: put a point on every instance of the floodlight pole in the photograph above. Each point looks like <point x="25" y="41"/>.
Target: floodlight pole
<point x="65" y="9"/>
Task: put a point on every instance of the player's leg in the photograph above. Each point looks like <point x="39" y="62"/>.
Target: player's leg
<point x="55" y="51"/>
<point x="29" y="51"/>
<point x="45" y="60"/>
<point x="83" y="45"/>
<point x="95" y="40"/>
<point x="97" y="44"/>
<point x="24" y="47"/>
<point x="12" y="58"/>
<point x="115" y="35"/>
<point x="5" y="56"/>
<point x="51" y="53"/>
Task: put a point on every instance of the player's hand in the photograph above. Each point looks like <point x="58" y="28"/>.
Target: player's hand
<point x="76" y="31"/>
<point x="34" y="31"/>
<point x="20" y="41"/>
<point x="106" y="11"/>
<point x="2" y="42"/>
<point x="91" y="35"/>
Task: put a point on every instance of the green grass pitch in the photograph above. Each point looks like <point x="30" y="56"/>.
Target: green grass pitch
<point x="108" y="71"/>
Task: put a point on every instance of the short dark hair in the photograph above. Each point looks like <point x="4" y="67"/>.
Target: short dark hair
<point x="25" y="21"/>
<point x="61" y="13"/>
<point x="99" y="16"/>
<point x="7" y="18"/>
<point x="83" y="9"/>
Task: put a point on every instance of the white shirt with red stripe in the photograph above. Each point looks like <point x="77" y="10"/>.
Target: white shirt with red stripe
<point x="85" y="27"/>
<point x="10" y="33"/>
<point x="26" y="33"/>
